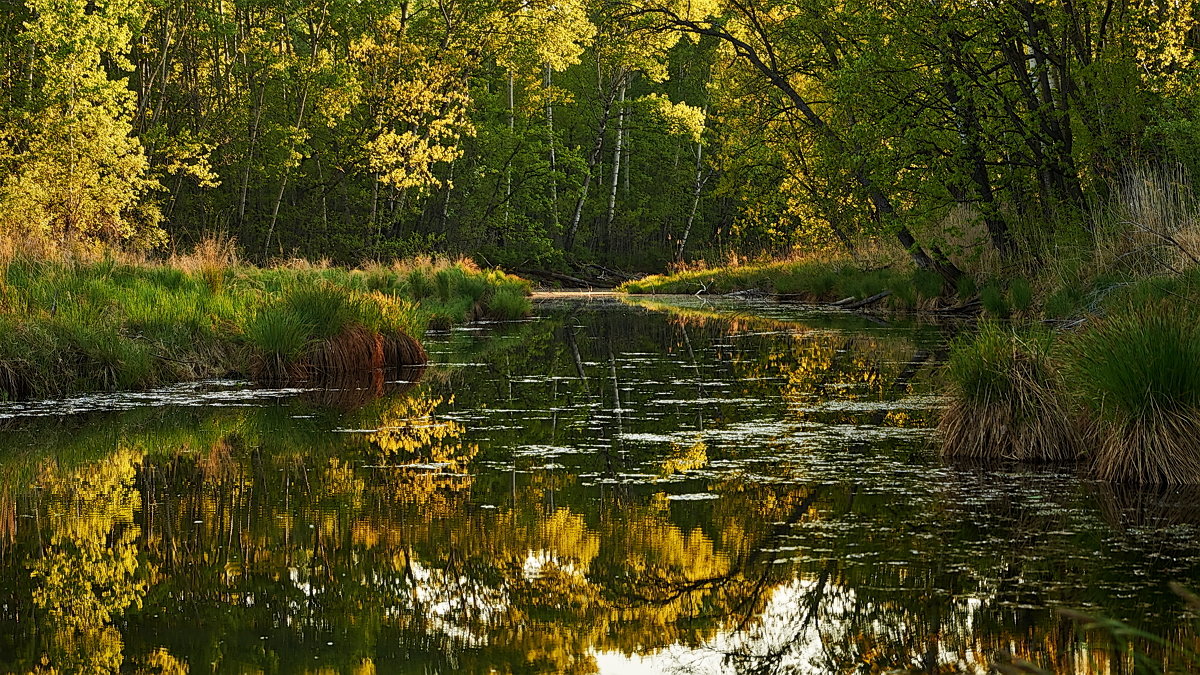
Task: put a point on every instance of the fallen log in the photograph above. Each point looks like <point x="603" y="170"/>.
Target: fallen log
<point x="869" y="301"/>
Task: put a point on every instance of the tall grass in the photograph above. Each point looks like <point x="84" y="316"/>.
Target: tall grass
<point x="1007" y="399"/>
<point x="1137" y="375"/>
<point x="111" y="324"/>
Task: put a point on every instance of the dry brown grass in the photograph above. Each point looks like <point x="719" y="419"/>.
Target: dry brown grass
<point x="354" y="350"/>
<point x="1156" y="223"/>
<point x="429" y="264"/>
<point x="402" y="350"/>
<point x="1160" y="448"/>
<point x="1036" y="427"/>
<point x="214" y="252"/>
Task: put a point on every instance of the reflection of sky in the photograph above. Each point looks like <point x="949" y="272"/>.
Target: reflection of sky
<point x="781" y="630"/>
<point x="785" y="638"/>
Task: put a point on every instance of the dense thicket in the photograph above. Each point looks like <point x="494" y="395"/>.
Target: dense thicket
<point x="626" y="131"/>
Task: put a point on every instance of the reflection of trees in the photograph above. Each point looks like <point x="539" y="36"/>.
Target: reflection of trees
<point x="89" y="571"/>
<point x="411" y="546"/>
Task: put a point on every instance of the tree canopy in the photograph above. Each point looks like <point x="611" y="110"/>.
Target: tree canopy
<point x="625" y="132"/>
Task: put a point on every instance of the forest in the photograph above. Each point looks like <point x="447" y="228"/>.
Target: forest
<point x="627" y="133"/>
<point x="288" y="383"/>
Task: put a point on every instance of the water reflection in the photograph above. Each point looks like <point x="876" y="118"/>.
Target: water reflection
<point x="603" y="489"/>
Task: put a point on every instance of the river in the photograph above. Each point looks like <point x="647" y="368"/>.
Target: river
<point x="666" y="486"/>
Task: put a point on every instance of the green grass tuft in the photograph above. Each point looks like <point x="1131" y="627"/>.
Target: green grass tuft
<point x="1021" y="293"/>
<point x="1137" y="374"/>
<point x="992" y="298"/>
<point x="1007" y="398"/>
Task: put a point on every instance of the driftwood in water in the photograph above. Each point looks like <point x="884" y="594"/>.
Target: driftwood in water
<point x="868" y="301"/>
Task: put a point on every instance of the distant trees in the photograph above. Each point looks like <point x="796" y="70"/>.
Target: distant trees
<point x="630" y="132"/>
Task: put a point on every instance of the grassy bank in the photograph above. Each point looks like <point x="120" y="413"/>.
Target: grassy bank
<point x="810" y="279"/>
<point x="1143" y="245"/>
<point x="106" y="325"/>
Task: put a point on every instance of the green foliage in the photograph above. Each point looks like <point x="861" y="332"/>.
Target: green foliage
<point x="991" y="296"/>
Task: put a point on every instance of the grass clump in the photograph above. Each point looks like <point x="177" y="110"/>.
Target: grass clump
<point x="1006" y="399"/>
<point x="1137" y="376"/>
<point x="279" y="339"/>
<point x="991" y="296"/>
<point x="508" y="303"/>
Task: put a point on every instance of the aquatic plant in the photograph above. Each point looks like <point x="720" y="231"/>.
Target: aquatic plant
<point x="1137" y="375"/>
<point x="1006" y="399"/>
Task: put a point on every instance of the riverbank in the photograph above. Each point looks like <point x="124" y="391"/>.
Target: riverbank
<point x="1066" y="281"/>
<point x="837" y="280"/>
<point x="1085" y="354"/>
<point x="108" y="325"/>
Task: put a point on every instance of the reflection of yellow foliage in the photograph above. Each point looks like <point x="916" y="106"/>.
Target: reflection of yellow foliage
<point x="409" y="434"/>
<point x="162" y="662"/>
<point x="685" y="458"/>
<point x="89" y="572"/>
<point x="341" y="482"/>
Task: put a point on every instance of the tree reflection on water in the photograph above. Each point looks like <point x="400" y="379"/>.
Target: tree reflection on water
<point x="762" y="500"/>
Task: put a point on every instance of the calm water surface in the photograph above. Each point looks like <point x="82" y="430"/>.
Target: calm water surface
<point x="664" y="487"/>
